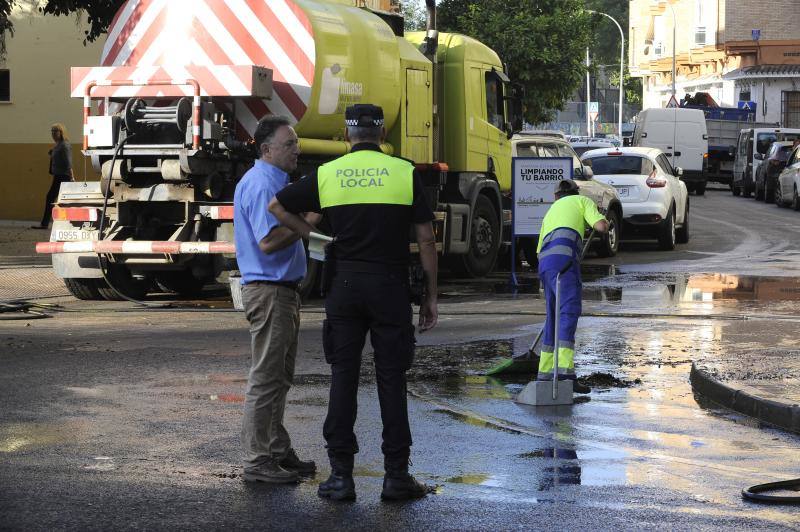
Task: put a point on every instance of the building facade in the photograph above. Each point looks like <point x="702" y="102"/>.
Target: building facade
<point x="35" y="93"/>
<point x="735" y="50"/>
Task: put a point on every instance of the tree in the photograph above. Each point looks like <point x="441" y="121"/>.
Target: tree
<point x="542" y="41"/>
<point x="99" y="14"/>
<point x="415" y="14"/>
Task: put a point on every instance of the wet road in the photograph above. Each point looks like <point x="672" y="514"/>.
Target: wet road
<point x="136" y="426"/>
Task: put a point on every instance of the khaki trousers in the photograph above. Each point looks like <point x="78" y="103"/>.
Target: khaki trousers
<point x="274" y="315"/>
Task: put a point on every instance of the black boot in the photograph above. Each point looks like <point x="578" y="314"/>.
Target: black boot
<point x="340" y="485"/>
<point x="400" y="485"/>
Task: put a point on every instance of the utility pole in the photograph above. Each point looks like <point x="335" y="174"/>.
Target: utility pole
<point x="622" y="67"/>
<point x="588" y="97"/>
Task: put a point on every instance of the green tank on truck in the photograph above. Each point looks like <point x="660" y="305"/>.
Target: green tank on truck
<point x="173" y="137"/>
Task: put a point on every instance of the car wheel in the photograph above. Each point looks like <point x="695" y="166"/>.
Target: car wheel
<point x="779" y="195"/>
<point x="795" y="199"/>
<point x="769" y="191"/>
<point x="666" y="233"/>
<point x="759" y="195"/>
<point x="609" y="243"/>
<point x="682" y="234"/>
<point x="484" y="241"/>
<point x="85" y="289"/>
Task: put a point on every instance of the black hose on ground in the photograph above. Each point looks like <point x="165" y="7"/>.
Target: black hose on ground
<point x="760" y="492"/>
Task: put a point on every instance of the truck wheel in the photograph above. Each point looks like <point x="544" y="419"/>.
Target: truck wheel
<point x="700" y="189"/>
<point x="484" y="240"/>
<point x="682" y="234"/>
<point x="85" y="289"/>
<point x="736" y="190"/>
<point x="666" y="233"/>
<point x="609" y="243"/>
<point x="125" y="283"/>
<point x="180" y="282"/>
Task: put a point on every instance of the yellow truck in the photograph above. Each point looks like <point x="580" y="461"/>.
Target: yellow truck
<point x="170" y="111"/>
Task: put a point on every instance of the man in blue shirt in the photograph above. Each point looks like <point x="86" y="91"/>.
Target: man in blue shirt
<point x="272" y="262"/>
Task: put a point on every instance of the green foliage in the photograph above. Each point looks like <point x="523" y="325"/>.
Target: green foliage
<point x="99" y="14"/>
<point x="543" y="43"/>
<point x="633" y="86"/>
<point x="415" y="15"/>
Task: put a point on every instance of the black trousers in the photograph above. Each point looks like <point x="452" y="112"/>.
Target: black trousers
<point x="52" y="195"/>
<point x="377" y="303"/>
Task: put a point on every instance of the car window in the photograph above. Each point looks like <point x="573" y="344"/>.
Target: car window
<point x="743" y="144"/>
<point x="665" y="165"/>
<point x="494" y="100"/>
<point x="527" y="149"/>
<point x="617" y="164"/>
<point x="567" y="151"/>
<point x="548" y="150"/>
<point x="764" y="140"/>
<point x="647" y="167"/>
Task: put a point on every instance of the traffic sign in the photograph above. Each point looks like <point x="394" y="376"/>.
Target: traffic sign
<point x="594" y="107"/>
<point x="672" y="103"/>
<point x="593" y="115"/>
<point x="747" y="106"/>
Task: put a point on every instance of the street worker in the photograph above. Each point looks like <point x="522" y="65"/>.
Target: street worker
<point x="272" y="262"/>
<point x="60" y="169"/>
<point x="372" y="201"/>
<point x="559" y="250"/>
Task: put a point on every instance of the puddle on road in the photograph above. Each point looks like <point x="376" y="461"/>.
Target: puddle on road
<point x="16" y="437"/>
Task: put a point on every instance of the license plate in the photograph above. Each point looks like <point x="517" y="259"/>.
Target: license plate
<point x="623" y="192"/>
<point x="70" y="235"/>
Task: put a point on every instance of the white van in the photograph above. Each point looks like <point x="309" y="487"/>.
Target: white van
<point x="681" y="134"/>
<point x="751" y="149"/>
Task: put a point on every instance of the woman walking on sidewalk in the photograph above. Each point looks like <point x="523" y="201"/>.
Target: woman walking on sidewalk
<point x="60" y="169"/>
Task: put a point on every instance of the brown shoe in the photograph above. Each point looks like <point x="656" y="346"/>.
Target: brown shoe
<point x="292" y="463"/>
<point x="270" y="471"/>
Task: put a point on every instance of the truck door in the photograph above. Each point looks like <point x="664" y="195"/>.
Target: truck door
<point x="418" y="116"/>
<point x="661" y="135"/>
<point x="690" y="145"/>
<point x="499" y="148"/>
<point x="477" y="126"/>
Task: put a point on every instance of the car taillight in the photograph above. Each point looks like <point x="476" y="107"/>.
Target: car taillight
<point x="75" y="214"/>
<point x="656" y="182"/>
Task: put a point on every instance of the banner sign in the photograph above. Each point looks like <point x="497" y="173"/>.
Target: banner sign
<point x="534" y="182"/>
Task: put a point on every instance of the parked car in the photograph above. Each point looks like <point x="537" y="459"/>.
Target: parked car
<point x="751" y="148"/>
<point x="605" y="196"/>
<point x="543" y="133"/>
<point x="786" y="193"/>
<point x="582" y="146"/>
<point x="654" y="199"/>
<point x="769" y="169"/>
<point x="682" y="136"/>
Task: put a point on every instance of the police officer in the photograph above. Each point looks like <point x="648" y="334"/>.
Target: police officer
<point x="559" y="251"/>
<point x="371" y="201"/>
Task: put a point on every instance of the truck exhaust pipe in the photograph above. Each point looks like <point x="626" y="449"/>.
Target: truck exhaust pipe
<point x="432" y="34"/>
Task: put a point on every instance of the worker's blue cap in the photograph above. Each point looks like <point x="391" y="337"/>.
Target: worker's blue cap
<point x="364" y="115"/>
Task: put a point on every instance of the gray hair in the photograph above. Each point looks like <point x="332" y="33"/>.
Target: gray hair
<point x="364" y="133"/>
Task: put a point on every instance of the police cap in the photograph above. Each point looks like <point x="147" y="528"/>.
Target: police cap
<point x="364" y="115"/>
<point x="567" y="187"/>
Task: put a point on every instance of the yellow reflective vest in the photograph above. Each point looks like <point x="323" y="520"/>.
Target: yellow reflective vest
<point x="366" y="177"/>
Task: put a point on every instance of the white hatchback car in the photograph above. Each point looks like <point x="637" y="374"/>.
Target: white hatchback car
<point x="655" y="201"/>
<point x="788" y="190"/>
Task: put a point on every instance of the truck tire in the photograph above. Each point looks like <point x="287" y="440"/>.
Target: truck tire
<point x="609" y="243"/>
<point x="181" y="282"/>
<point x="759" y="193"/>
<point x="666" y="233"/>
<point x="736" y="190"/>
<point x="484" y="240"/>
<point x="125" y="283"/>
<point x="682" y="234"/>
<point x="85" y="289"/>
<point x="700" y="189"/>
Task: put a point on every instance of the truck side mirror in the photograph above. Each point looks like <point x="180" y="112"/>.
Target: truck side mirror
<point x="758" y="156"/>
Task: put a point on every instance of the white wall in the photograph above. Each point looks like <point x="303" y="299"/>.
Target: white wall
<point x="769" y="91"/>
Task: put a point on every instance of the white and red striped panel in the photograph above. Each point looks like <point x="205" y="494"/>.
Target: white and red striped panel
<point x="136" y="247"/>
<point x="175" y="35"/>
<point x="214" y="80"/>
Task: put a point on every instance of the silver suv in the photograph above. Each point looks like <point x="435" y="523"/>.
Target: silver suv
<point x="605" y="196"/>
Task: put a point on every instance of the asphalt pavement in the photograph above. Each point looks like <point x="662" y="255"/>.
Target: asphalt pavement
<point x="126" y="418"/>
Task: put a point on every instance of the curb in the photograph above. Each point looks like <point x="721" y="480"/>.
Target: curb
<point x="777" y="413"/>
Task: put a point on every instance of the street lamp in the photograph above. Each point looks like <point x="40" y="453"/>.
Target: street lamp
<point x="661" y="5"/>
<point x="621" y="67"/>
